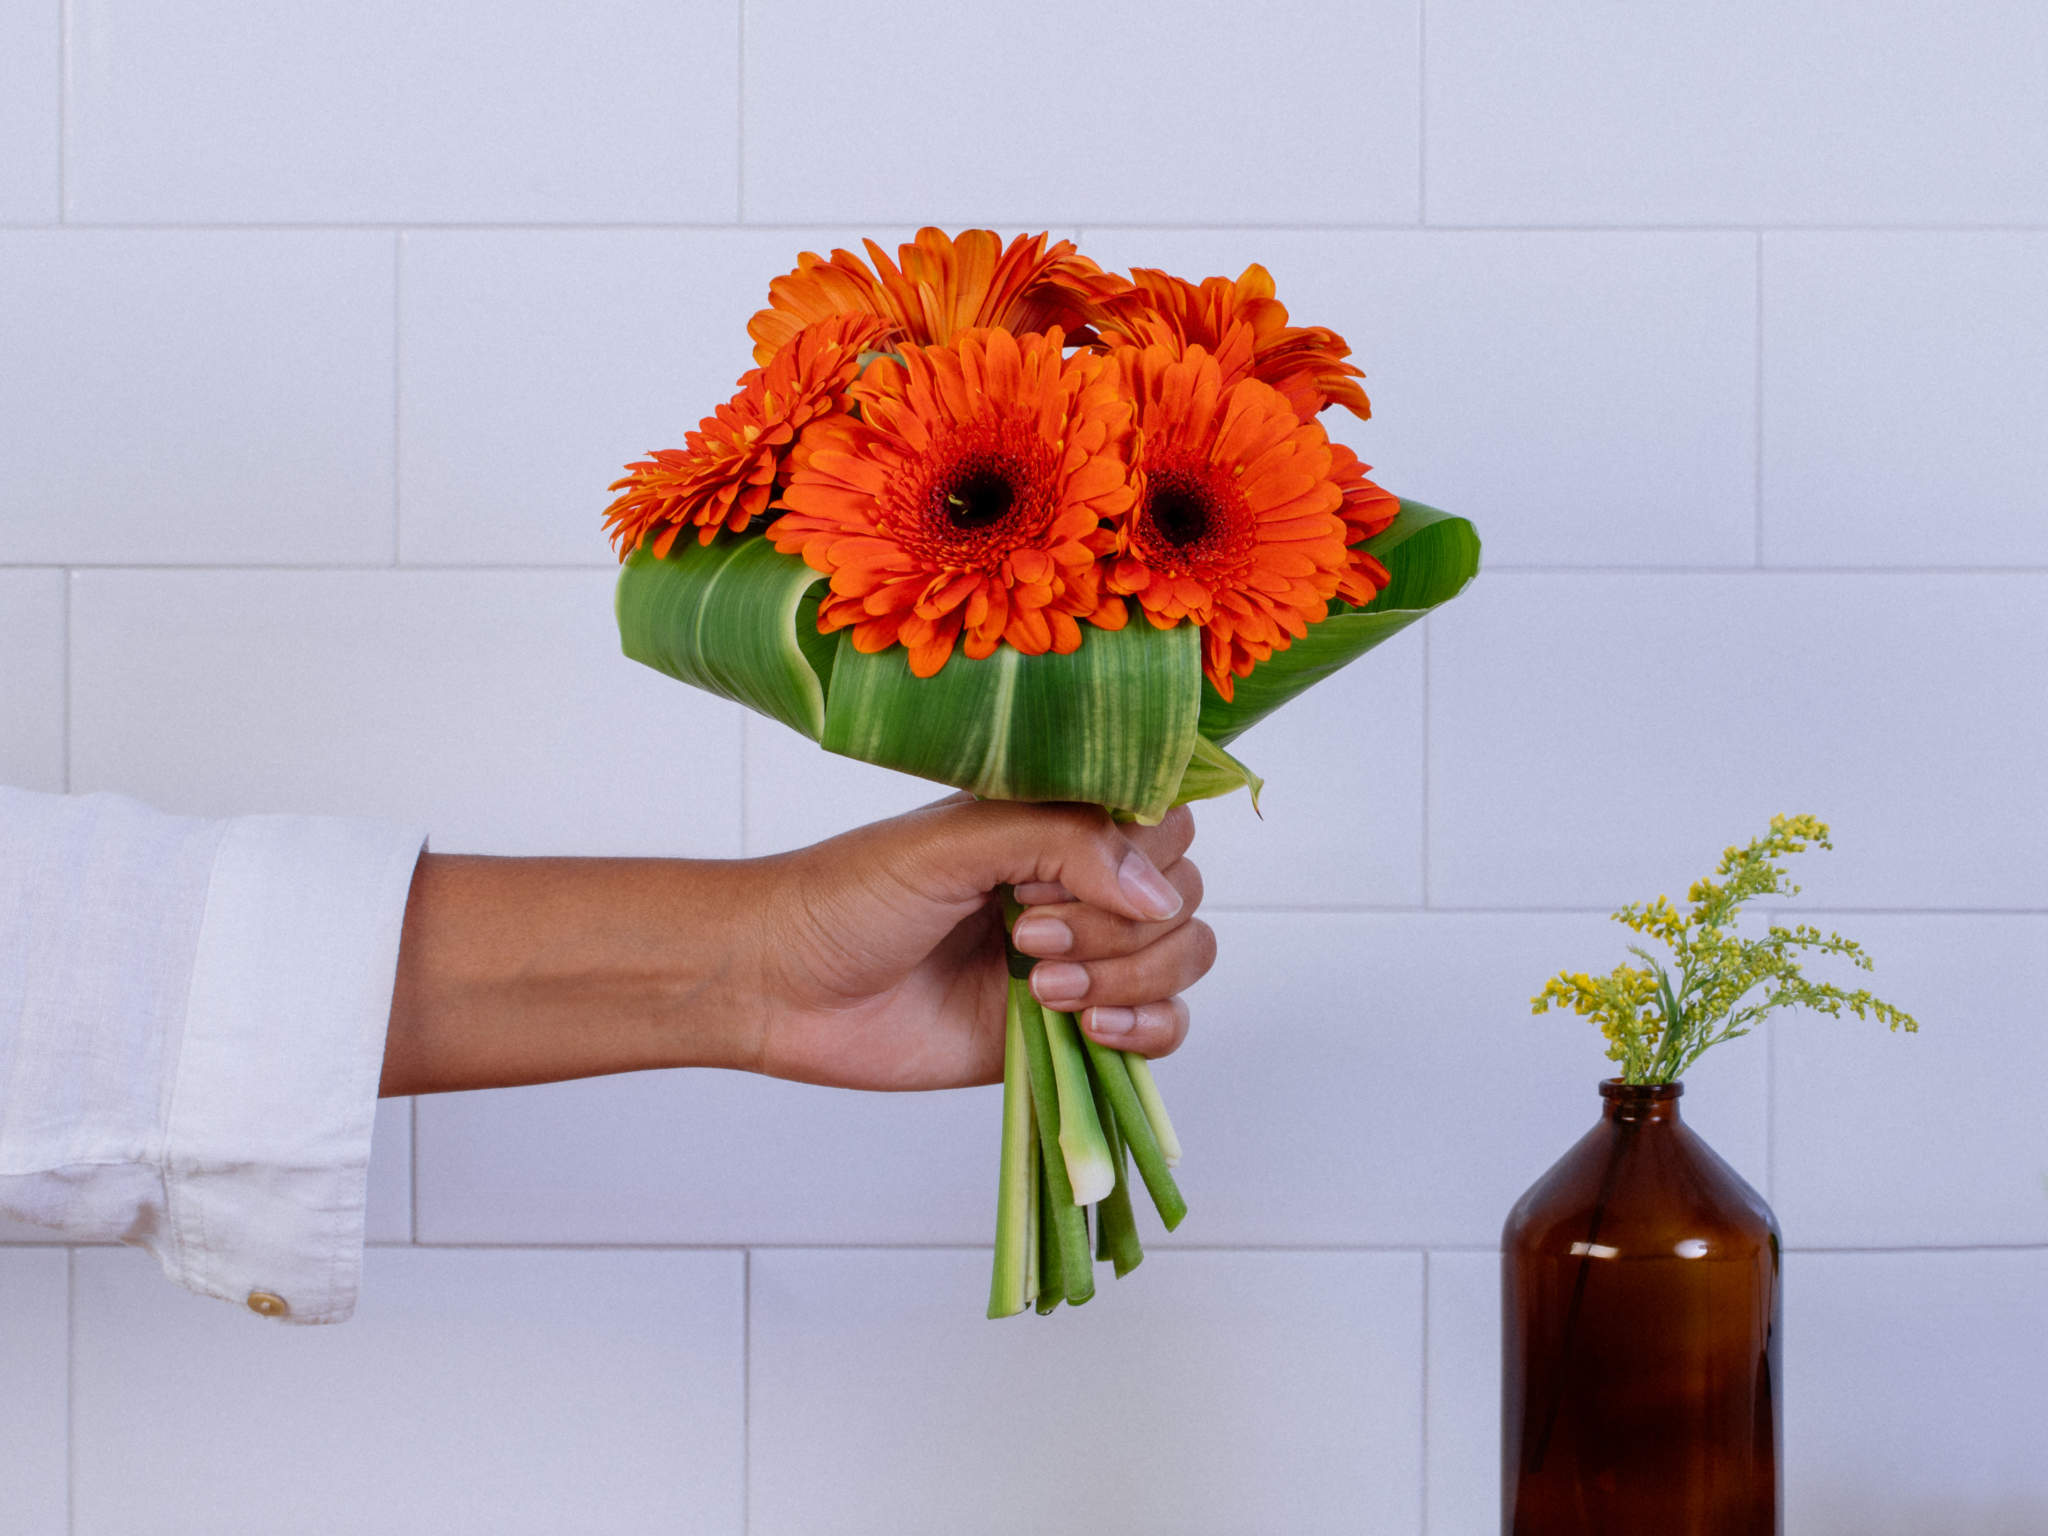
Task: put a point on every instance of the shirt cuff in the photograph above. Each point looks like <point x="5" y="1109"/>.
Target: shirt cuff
<point x="267" y="1150"/>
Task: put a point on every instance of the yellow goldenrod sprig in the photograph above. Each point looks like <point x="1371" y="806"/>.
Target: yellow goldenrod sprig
<point x="1657" y="1026"/>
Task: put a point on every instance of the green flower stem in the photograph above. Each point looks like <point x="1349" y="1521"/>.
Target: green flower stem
<point x="1107" y="1116"/>
<point x="1116" y="1229"/>
<point x="1052" y="1287"/>
<point x="1155" y="1107"/>
<point x="1115" y="1077"/>
<point x="1033" y="1198"/>
<point x="1016" y="1216"/>
<point x="1069" y="1222"/>
<point x="1082" y="1143"/>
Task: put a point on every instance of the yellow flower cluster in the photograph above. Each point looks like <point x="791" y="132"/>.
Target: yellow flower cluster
<point x="1657" y="1026"/>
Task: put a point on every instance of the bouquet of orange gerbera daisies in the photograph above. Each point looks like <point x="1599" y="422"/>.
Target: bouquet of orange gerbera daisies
<point x="924" y="532"/>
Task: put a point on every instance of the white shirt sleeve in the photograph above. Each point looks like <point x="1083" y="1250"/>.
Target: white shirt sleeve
<point x="192" y="1020"/>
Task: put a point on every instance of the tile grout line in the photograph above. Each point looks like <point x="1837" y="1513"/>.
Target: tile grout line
<point x="1422" y="113"/>
<point x="412" y="1163"/>
<point x="739" y="172"/>
<point x="63" y="110"/>
<point x="1425" y="1391"/>
<point x="70" y="1390"/>
<point x="1180" y="227"/>
<point x="1495" y="571"/>
<point x="1770" y="1111"/>
<point x="1425" y="764"/>
<point x="746" y="829"/>
<point x="1757" y="387"/>
<point x="397" y="396"/>
<point x="69" y="578"/>
<point x="1333" y="1250"/>
<point x="746" y="1390"/>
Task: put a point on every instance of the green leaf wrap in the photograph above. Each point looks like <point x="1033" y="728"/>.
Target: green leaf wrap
<point x="1126" y="722"/>
<point x="730" y="619"/>
<point x="1112" y="724"/>
<point x="1432" y="557"/>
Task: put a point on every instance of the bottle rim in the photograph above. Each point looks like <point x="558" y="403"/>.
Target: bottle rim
<point x="1640" y="1093"/>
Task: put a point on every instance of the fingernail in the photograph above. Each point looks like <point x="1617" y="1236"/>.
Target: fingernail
<point x="1111" y="1021"/>
<point x="1042" y="936"/>
<point x="1146" y="887"/>
<point x="1056" y="983"/>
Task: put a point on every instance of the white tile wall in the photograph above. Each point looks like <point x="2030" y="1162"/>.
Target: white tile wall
<point x="188" y="398"/>
<point x="1588" y="399"/>
<point x="1797" y="112"/>
<point x="34" y="1349"/>
<point x="798" y="794"/>
<point x="1134" y="114"/>
<point x="1868" y="1127"/>
<point x="472" y="1392"/>
<point x="1900" y="1418"/>
<point x="29" y="44"/>
<point x="1916" y="1388"/>
<point x="1723" y="324"/>
<point x="538" y="364"/>
<point x="1298" y="1104"/>
<point x="248" y="112"/>
<point x="1464" y="1393"/>
<point x="1597" y="739"/>
<point x="1348" y="1082"/>
<point x="389" y="1216"/>
<point x="1340" y="819"/>
<point x="707" y="1157"/>
<point x="32" y="680"/>
<point x="1205" y="1393"/>
<point x="490" y="706"/>
<point x="1903" y="386"/>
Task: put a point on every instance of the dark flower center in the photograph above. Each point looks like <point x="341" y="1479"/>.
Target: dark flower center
<point x="987" y="488"/>
<point x="1182" y="508"/>
<point x="979" y="498"/>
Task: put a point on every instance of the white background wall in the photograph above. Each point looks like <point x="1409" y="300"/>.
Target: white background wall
<point x="322" y="329"/>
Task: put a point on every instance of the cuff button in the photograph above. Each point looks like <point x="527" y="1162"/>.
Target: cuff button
<point x="264" y="1304"/>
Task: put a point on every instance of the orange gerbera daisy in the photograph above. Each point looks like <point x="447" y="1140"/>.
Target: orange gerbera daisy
<point x="1366" y="510"/>
<point x="1304" y="362"/>
<point x="958" y="505"/>
<point x="943" y="286"/>
<point x="1235" y="524"/>
<point x="724" y="476"/>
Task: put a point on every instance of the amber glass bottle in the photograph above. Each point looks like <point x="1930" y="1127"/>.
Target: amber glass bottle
<point x="1640" y="1303"/>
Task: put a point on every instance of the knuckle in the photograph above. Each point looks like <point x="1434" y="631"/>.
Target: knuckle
<point x="1204" y="942"/>
<point x="1180" y="824"/>
<point x="1178" y="1022"/>
<point x="1163" y="1026"/>
<point x="1188" y="879"/>
<point x="1088" y="820"/>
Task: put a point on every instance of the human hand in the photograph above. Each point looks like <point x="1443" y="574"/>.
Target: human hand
<point x="880" y="953"/>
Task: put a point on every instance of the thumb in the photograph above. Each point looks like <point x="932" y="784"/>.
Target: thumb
<point x="963" y="851"/>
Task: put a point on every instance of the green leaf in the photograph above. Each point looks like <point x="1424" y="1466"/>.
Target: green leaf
<point x="1112" y="724"/>
<point x="735" y="618"/>
<point x="1211" y="771"/>
<point x="1432" y="557"/>
<point x="1125" y="722"/>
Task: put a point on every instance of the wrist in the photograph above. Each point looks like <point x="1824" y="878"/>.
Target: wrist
<point x="535" y="970"/>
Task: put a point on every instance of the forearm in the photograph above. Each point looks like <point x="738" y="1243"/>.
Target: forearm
<point x="534" y="970"/>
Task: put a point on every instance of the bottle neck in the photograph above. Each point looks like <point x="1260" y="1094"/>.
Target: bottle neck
<point x="1640" y="1103"/>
